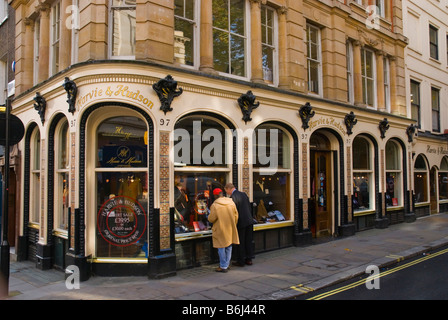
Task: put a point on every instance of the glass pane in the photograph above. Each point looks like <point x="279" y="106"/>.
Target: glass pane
<point x="221" y="51"/>
<point x="64" y="147"/>
<point x="122" y="204"/>
<point x="199" y="142"/>
<point x="63" y="196"/>
<point x="36" y="163"/>
<point x="361" y="188"/>
<point x="237" y="16"/>
<point x="370" y="93"/>
<point x="221" y="14"/>
<point x="193" y="196"/>
<point x="35" y="185"/>
<point x="268" y="64"/>
<point x="238" y="65"/>
<point x="420" y="163"/>
<point x="184" y="42"/>
<point x="361" y="154"/>
<point x="271" y="197"/>
<point x="444" y="165"/>
<point x="179" y="8"/>
<point x="271" y="148"/>
<point x="189" y="9"/>
<point x="393" y="189"/>
<point x="123" y="40"/>
<point x="443" y="185"/>
<point x="313" y="75"/>
<point x="421" y="187"/>
<point x="122" y="143"/>
<point x="392" y="156"/>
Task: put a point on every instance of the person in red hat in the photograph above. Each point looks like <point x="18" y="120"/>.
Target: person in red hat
<point x="224" y="216"/>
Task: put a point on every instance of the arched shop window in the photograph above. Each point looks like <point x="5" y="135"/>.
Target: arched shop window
<point x="202" y="162"/>
<point x="121" y="176"/>
<point x="443" y="179"/>
<point x="421" y="180"/>
<point x="272" y="174"/>
<point x="35" y="185"/>
<point x="363" y="175"/>
<point x="61" y="177"/>
<point x="394" y="182"/>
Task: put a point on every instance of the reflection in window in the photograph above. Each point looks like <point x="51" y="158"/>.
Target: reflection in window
<point x="443" y="179"/>
<point x="271" y="174"/>
<point x="420" y="180"/>
<point x="229" y="36"/>
<point x="123" y="28"/>
<point x="62" y="175"/>
<point x="393" y="174"/>
<point x="201" y="164"/>
<point x="122" y="187"/>
<point x="363" y="181"/>
<point x="184" y="31"/>
<point x="35" y="176"/>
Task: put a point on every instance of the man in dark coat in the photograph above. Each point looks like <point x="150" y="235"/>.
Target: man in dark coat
<point x="244" y="251"/>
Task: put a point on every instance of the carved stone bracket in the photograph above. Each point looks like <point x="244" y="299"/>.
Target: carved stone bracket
<point x="384" y="126"/>
<point x="166" y="89"/>
<point x="72" y="92"/>
<point x="40" y="106"/>
<point x="350" y="121"/>
<point x="247" y="105"/>
<point x="410" y="131"/>
<point x="306" y="113"/>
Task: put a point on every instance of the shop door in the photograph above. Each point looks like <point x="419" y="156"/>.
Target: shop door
<point x="321" y="190"/>
<point x="433" y="190"/>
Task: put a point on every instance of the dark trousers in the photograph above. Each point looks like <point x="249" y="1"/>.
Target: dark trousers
<point x="245" y="250"/>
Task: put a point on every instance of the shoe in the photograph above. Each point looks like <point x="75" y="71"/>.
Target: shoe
<point x="238" y="264"/>
<point x="219" y="269"/>
<point x="249" y="262"/>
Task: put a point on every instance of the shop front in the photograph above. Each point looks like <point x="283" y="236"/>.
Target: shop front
<point x="132" y="159"/>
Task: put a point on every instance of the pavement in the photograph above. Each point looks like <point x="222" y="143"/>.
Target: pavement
<point x="276" y="275"/>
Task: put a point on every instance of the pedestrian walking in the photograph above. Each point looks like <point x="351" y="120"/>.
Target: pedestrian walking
<point x="223" y="216"/>
<point x="244" y="251"/>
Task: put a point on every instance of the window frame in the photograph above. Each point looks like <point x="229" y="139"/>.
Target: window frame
<point x="111" y="10"/>
<point x="434" y="45"/>
<point x="416" y="105"/>
<point x="425" y="175"/>
<point x="367" y="79"/>
<point x="435" y="112"/>
<point x="397" y="171"/>
<point x="55" y="36"/>
<point x="61" y="221"/>
<point x="370" y="171"/>
<point x="196" y="33"/>
<point x="318" y="60"/>
<point x="273" y="46"/>
<point x="35" y="177"/>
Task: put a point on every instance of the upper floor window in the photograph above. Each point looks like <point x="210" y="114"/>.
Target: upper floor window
<point x="55" y="37"/>
<point x="122" y="29"/>
<point x="3" y="10"/>
<point x="386" y="84"/>
<point x="314" y="61"/>
<point x="415" y="101"/>
<point x="230" y="37"/>
<point x="435" y="103"/>
<point x="350" y="75"/>
<point x="268" y="43"/>
<point x="433" y="42"/>
<point x="381" y="9"/>
<point x="185" y="32"/>
<point x="36" y="51"/>
<point x="368" y="77"/>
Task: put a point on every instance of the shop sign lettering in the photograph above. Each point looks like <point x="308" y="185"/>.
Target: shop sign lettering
<point x="121" y="221"/>
<point x="436" y="150"/>
<point x="118" y="91"/>
<point x="326" y="122"/>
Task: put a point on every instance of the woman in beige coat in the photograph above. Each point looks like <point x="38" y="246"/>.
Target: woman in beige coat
<point x="224" y="216"/>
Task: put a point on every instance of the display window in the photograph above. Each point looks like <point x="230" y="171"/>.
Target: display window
<point x="121" y="188"/>
<point x="443" y="179"/>
<point x="363" y="181"/>
<point x="62" y="168"/>
<point x="393" y="174"/>
<point x="271" y="174"/>
<point x="202" y="162"/>
<point x="35" y="183"/>
<point x="421" y="180"/>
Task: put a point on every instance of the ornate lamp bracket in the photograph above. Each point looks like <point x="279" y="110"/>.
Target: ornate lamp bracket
<point x="384" y="126"/>
<point x="247" y="105"/>
<point x="410" y="131"/>
<point x="40" y="106"/>
<point x="72" y="92"/>
<point x="306" y="113"/>
<point x="166" y="89"/>
<point x="350" y="121"/>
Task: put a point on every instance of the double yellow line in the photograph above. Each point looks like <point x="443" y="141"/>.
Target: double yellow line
<point x="324" y="295"/>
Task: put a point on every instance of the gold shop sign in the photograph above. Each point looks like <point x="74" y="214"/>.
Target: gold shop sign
<point x="330" y="121"/>
<point x="119" y="91"/>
